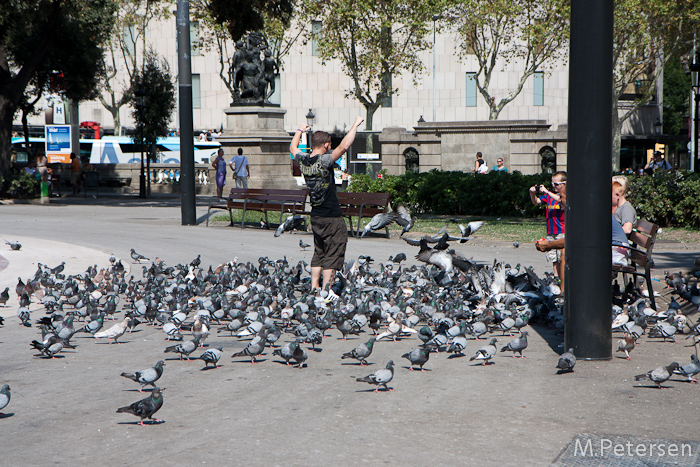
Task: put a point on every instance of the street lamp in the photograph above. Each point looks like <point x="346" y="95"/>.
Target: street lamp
<point x="657" y="127"/>
<point x="140" y="108"/>
<point x="310" y="121"/>
<point x="435" y="18"/>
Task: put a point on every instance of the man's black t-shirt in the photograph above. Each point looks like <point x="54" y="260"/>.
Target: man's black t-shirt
<point x="320" y="181"/>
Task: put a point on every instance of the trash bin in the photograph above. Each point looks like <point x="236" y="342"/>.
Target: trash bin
<point x="44" y="190"/>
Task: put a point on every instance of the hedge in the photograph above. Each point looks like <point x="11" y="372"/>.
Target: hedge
<point x="665" y="199"/>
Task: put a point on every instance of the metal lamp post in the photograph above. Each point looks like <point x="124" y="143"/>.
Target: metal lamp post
<point x="140" y="108"/>
<point x="696" y="121"/>
<point x="310" y="121"/>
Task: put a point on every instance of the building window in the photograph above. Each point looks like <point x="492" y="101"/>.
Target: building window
<point x="412" y="160"/>
<point x="196" y="96"/>
<point x="130" y="40"/>
<point x="471" y="89"/>
<point x="194" y="38"/>
<point x="315" y="30"/>
<point x="538" y="84"/>
<point x="548" y="160"/>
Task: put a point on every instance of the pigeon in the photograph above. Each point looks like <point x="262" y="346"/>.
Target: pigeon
<point x="184" y="348"/>
<point x="93" y="326"/>
<point x="138" y="257"/>
<point x="115" y="332"/>
<point x="211" y="356"/>
<point x="380" y="377"/>
<point x="405" y="220"/>
<point x="459" y="343"/>
<point x="626" y="345"/>
<point x="51" y="345"/>
<point x="286" y="351"/>
<point x="361" y="352"/>
<point x="147" y="376"/>
<point x="469" y="230"/>
<point x="24" y="316"/>
<point x="517" y="345"/>
<point x="298" y="354"/>
<point x="172" y="332"/>
<point x="516" y="244"/>
<point x="4" y="296"/>
<point x="303" y="245"/>
<point x="145" y="408"/>
<point x="255" y="348"/>
<point x="4" y="396"/>
<point x="567" y="361"/>
<point x="291" y="223"/>
<point x="378" y="221"/>
<point x="659" y="375"/>
<point x="418" y="357"/>
<point x="689" y="369"/>
<point x="398" y="258"/>
<point x="14" y="245"/>
<point x="486" y="353"/>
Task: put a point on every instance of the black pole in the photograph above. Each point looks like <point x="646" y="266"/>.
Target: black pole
<point x="142" y="176"/>
<point x="696" y="121"/>
<point x="588" y="219"/>
<point x="188" y="206"/>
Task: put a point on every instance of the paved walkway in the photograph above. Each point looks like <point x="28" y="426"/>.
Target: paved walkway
<point x="512" y="413"/>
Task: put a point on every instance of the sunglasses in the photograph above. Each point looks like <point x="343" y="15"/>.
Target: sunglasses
<point x="558" y="183"/>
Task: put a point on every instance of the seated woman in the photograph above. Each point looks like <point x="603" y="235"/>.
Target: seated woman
<point x="622" y="210"/>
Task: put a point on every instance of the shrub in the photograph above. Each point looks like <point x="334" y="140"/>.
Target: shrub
<point x="24" y="185"/>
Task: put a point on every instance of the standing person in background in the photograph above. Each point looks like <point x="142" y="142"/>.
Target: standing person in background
<point x="75" y="173"/>
<point x="480" y="166"/>
<point x="220" y="165"/>
<point x="622" y="210"/>
<point x="327" y="223"/>
<point x="499" y="167"/>
<point x="241" y="169"/>
<point x="554" y="215"/>
<point x="657" y="163"/>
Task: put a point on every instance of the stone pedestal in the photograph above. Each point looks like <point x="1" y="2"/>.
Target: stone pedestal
<point x="260" y="132"/>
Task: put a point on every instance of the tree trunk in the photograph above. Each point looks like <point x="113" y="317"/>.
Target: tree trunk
<point x="369" y="143"/>
<point x="616" y="138"/>
<point x="7" y="113"/>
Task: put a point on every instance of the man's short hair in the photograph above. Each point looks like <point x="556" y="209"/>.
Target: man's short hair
<point x="319" y="138"/>
<point x="240" y="151"/>
<point x="561" y="174"/>
<point x="478" y="154"/>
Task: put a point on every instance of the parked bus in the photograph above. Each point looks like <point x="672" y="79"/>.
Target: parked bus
<point x="119" y="150"/>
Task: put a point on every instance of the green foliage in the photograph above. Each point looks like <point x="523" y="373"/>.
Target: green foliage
<point x="241" y="16"/>
<point x="676" y="91"/>
<point x="24" y="185"/>
<point x="457" y="193"/>
<point x="155" y="112"/>
<point x="667" y="199"/>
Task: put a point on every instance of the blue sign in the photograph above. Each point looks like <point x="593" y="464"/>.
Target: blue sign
<point x="58" y="143"/>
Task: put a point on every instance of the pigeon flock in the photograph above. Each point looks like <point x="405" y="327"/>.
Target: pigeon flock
<point x="270" y="307"/>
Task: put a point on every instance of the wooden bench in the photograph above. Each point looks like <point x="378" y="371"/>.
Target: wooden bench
<point x="262" y="200"/>
<point x="363" y="205"/>
<point x="643" y="237"/>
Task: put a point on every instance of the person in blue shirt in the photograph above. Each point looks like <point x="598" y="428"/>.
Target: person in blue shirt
<point x="499" y="167"/>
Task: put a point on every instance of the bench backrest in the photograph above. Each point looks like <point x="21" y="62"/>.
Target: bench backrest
<point x="644" y="236"/>
<point x="295" y="196"/>
<point x="378" y="199"/>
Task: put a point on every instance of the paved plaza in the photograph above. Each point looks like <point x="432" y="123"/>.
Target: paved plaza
<point x="513" y="412"/>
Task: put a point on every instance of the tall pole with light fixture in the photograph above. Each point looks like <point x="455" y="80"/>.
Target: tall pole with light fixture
<point x="310" y="121"/>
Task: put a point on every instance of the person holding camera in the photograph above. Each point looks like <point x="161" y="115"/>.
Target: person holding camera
<point x="554" y="215"/>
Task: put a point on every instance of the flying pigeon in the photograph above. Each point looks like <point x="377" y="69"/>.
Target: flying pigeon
<point x="184" y="348"/>
<point x="4" y="396"/>
<point x="361" y="352"/>
<point x="115" y="332"/>
<point x="380" y="377"/>
<point x="486" y="353"/>
<point x="145" y="408"/>
<point x="517" y="345"/>
<point x="211" y="356"/>
<point x="659" y="375"/>
<point x="147" y="376"/>
<point x="291" y="223"/>
<point x="689" y="369"/>
<point x="138" y="257"/>
<point x="567" y="361"/>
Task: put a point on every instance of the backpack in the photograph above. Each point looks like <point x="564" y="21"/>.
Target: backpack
<point x="483" y="168"/>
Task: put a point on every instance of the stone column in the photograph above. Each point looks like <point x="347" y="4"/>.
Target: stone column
<point x="260" y="132"/>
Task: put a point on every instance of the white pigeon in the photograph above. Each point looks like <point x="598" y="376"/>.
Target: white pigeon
<point x="115" y="332"/>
